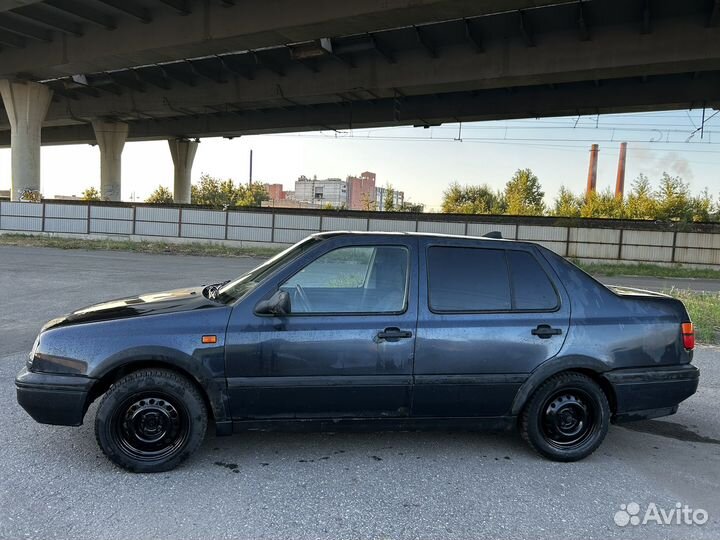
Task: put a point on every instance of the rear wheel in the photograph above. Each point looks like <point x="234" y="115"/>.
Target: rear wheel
<point x="151" y="421"/>
<point x="567" y="418"/>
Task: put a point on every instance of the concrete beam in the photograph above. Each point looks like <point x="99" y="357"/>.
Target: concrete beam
<point x="183" y="154"/>
<point x="111" y="137"/>
<point x="677" y="46"/>
<point x="26" y="104"/>
<point x="615" y="96"/>
<point x="6" y="5"/>
<point x="212" y="28"/>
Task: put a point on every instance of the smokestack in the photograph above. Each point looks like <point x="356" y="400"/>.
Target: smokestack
<point x="592" y="170"/>
<point x="250" y="179"/>
<point x="620" y="182"/>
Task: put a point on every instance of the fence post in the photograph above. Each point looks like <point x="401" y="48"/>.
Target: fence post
<point x="567" y="242"/>
<point x="88" y="219"/>
<point x="272" y="228"/>
<point x="42" y="218"/>
<point x="672" y="256"/>
<point x="227" y="219"/>
<point x="620" y="244"/>
<point x="180" y="222"/>
<point x="134" y="209"/>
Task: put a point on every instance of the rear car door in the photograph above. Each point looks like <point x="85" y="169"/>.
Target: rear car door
<point x="490" y="312"/>
<point x="346" y="348"/>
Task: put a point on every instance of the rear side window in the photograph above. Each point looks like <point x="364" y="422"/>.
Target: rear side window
<point x="468" y="279"/>
<point x="477" y="279"/>
<point x="532" y="289"/>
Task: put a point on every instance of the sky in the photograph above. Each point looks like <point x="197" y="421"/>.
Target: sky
<point x="420" y="162"/>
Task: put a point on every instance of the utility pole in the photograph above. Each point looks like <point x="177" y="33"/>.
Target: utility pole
<point x="250" y="179"/>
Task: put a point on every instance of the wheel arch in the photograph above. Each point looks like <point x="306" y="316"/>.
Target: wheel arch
<point x="586" y="365"/>
<point x="213" y="394"/>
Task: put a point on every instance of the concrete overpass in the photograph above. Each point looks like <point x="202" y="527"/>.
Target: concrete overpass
<point x="107" y="71"/>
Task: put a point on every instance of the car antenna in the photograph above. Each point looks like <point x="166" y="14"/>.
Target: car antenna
<point x="493" y="234"/>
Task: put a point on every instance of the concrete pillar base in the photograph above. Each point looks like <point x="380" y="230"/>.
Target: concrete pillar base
<point x="183" y="154"/>
<point x="26" y="104"/>
<point x="111" y="137"/>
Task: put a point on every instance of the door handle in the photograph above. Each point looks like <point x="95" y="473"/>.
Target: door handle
<point x="393" y="334"/>
<point x="545" y="331"/>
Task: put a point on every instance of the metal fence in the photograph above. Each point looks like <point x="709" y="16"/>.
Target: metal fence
<point x="604" y="240"/>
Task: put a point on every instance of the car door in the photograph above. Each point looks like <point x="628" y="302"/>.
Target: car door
<point x="490" y="312"/>
<point x="346" y="348"/>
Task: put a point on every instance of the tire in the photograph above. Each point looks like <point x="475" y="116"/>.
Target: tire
<point x="567" y="417"/>
<point x="151" y="421"/>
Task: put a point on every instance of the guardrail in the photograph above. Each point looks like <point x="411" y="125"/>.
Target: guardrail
<point x="592" y="239"/>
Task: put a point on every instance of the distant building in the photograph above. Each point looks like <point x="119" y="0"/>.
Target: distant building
<point x="276" y="192"/>
<point x="326" y="191"/>
<point x="380" y="196"/>
<point x="361" y="191"/>
<point x="67" y="198"/>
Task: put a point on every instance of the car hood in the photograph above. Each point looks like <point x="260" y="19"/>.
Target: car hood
<point x="137" y="306"/>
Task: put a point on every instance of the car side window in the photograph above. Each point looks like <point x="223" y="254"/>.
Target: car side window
<point x="532" y="289"/>
<point x="467" y="279"/>
<point x="353" y="279"/>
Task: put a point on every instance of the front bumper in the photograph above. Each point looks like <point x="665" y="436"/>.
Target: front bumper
<point x="642" y="393"/>
<point x="51" y="398"/>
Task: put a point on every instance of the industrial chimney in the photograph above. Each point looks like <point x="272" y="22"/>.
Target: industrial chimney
<point x="620" y="182"/>
<point x="592" y="170"/>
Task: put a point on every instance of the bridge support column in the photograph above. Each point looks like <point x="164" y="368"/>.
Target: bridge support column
<point x="26" y="104"/>
<point x="111" y="137"/>
<point x="183" y="154"/>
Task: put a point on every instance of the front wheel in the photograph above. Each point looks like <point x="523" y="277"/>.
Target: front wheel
<point x="567" y="418"/>
<point x="151" y="421"/>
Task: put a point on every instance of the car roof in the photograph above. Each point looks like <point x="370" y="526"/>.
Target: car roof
<point x="329" y="234"/>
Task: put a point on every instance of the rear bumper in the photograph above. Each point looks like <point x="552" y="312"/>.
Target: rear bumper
<point x="53" y="399"/>
<point x="651" y="392"/>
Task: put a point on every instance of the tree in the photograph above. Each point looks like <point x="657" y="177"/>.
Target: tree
<point x="224" y="193"/>
<point x="673" y="199"/>
<point x="389" y="202"/>
<point x="367" y="203"/>
<point x="567" y="204"/>
<point x="602" y="205"/>
<point x="482" y="199"/>
<point x="641" y="203"/>
<point x="90" y="194"/>
<point x="408" y="206"/>
<point x="701" y="207"/>
<point x="524" y="195"/>
<point x="161" y="195"/>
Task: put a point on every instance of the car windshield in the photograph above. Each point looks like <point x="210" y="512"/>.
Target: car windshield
<point x="239" y="287"/>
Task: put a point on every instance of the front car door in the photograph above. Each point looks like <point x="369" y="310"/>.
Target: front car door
<point x="346" y="348"/>
<point x="490" y="313"/>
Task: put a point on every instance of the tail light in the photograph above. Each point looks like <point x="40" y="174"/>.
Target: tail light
<point x="688" y="335"/>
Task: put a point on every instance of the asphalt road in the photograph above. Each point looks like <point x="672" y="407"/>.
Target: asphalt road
<point x="55" y="483"/>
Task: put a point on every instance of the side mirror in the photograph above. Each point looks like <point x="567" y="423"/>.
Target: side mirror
<point x="278" y="304"/>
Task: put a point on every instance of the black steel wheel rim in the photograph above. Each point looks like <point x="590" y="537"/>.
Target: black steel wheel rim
<point x="569" y="418"/>
<point x="150" y="426"/>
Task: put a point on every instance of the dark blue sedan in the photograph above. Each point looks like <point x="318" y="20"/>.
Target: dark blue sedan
<point x="347" y="329"/>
